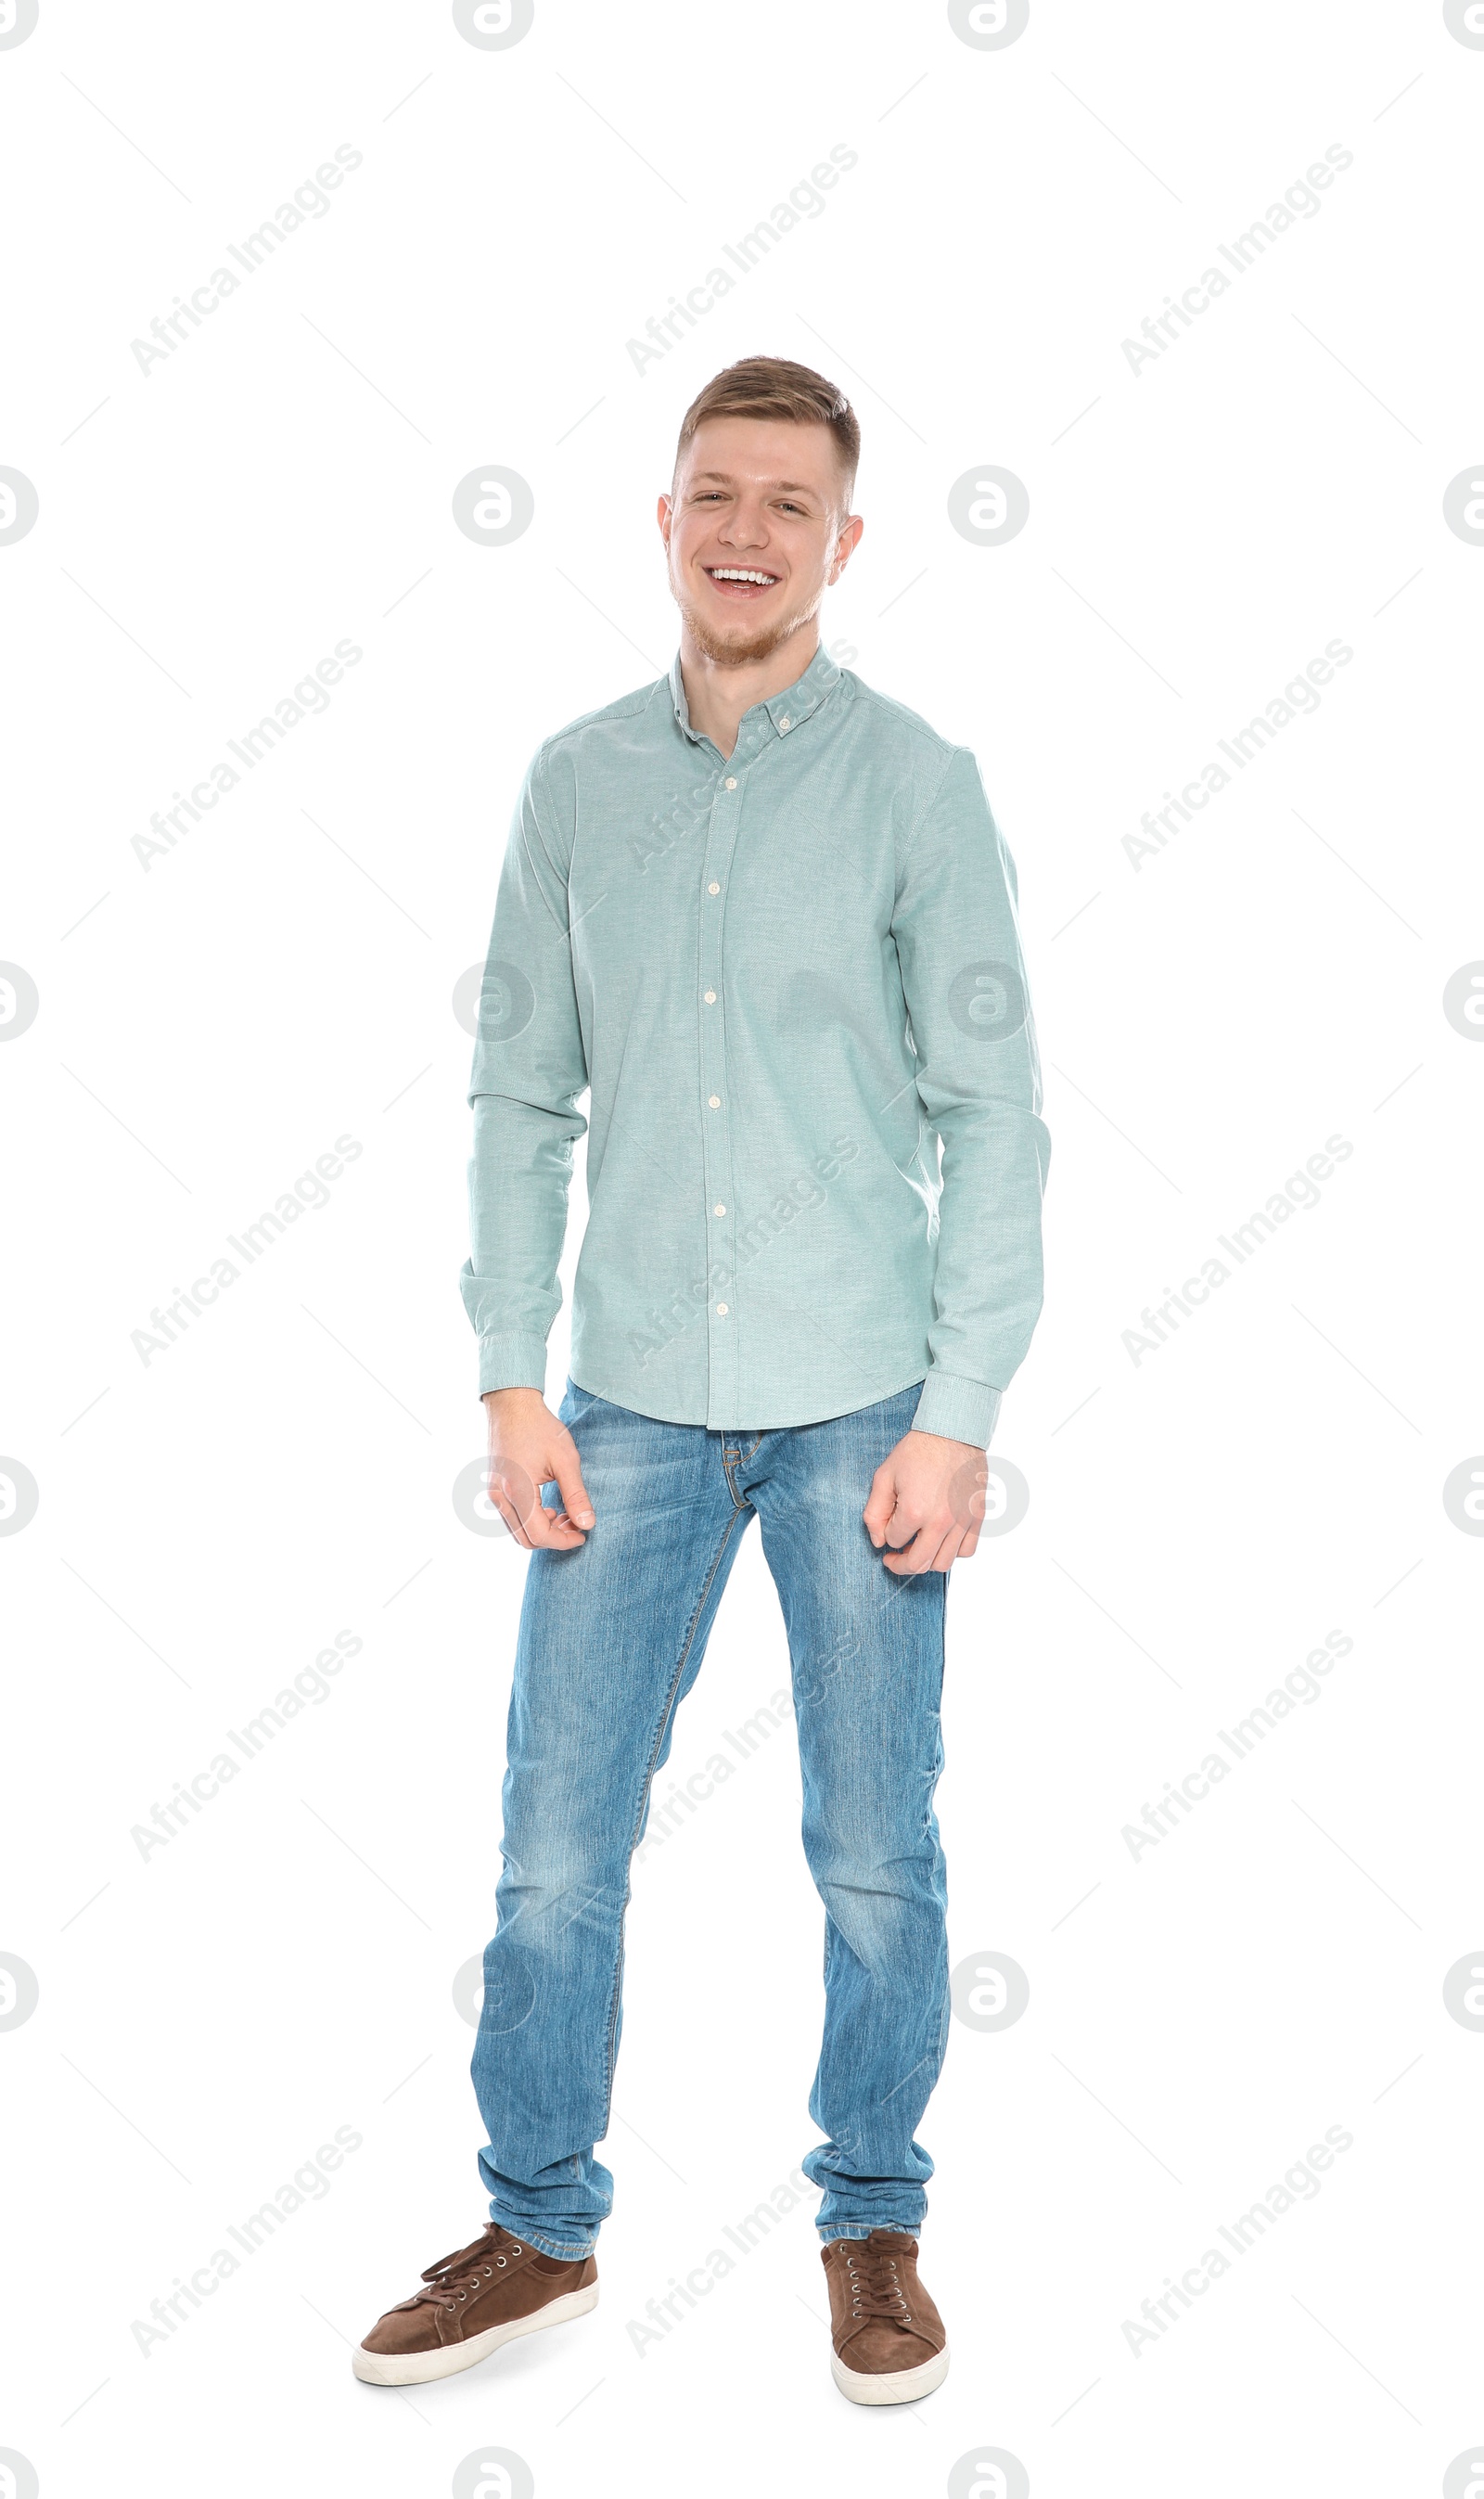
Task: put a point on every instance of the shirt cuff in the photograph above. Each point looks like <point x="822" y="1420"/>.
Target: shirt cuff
<point x="957" y="1409"/>
<point x="512" y="1362"/>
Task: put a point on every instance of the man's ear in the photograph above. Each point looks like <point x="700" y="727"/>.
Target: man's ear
<point x="847" y="540"/>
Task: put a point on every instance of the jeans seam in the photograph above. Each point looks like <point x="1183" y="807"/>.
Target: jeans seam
<point x="743" y="1457"/>
<point x="645" y="1786"/>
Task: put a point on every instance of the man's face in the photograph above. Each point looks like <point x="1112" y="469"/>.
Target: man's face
<point x="754" y="532"/>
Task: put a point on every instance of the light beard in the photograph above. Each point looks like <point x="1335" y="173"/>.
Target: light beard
<point x="741" y="649"/>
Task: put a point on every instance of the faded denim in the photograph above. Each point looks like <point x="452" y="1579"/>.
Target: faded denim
<point x="611" y="1639"/>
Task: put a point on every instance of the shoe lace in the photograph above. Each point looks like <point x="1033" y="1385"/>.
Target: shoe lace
<point x="874" y="2281"/>
<point x="454" y="2276"/>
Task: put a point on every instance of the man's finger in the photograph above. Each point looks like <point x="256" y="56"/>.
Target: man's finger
<point x="936" y="1546"/>
<point x="950" y="1550"/>
<point x="550" y="1524"/>
<point x="915" y="1549"/>
<point x="511" y="1517"/>
<point x="511" y="1490"/>
<point x="566" y="1467"/>
<point x="877" y="1513"/>
<point x="904" y="1524"/>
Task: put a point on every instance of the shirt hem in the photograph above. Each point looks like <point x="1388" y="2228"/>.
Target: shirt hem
<point x="831" y="1413"/>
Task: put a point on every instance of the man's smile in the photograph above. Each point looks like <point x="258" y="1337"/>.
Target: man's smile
<point x="740" y="580"/>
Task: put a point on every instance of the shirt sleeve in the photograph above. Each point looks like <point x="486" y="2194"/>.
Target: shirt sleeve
<point x="530" y="1067"/>
<point x="979" y="1080"/>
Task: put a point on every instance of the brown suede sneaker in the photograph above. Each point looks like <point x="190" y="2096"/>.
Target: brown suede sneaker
<point x="477" y="2298"/>
<point x="891" y="2346"/>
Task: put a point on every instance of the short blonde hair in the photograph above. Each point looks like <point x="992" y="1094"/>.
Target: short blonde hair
<point x="771" y="386"/>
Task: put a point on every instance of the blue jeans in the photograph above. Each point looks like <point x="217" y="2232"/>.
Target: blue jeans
<point x="611" y="1638"/>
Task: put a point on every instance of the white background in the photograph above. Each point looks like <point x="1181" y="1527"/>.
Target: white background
<point x="209" y="1023"/>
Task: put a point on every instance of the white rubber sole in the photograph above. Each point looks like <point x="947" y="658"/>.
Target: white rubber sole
<point x="890" y="2387"/>
<point x="416" y="2368"/>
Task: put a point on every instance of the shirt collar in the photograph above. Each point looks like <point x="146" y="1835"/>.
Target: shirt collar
<point x="779" y="713"/>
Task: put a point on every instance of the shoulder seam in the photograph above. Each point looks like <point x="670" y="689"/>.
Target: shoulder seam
<point x="624" y="708"/>
<point x="906" y="719"/>
<point x="931" y="800"/>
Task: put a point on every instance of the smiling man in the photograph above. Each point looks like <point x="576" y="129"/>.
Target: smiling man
<point x="763" y="918"/>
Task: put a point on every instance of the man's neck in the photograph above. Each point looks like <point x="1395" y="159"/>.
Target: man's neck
<point x="717" y="695"/>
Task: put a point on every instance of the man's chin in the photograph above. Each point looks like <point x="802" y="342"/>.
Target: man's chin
<point x="740" y="645"/>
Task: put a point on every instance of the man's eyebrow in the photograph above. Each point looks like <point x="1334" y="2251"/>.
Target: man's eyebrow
<point x="778" y="485"/>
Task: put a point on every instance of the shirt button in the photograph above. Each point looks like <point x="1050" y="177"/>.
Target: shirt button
<point x="711" y="998"/>
<point x="715" y="1101"/>
<point x="719" y="1210"/>
<point x="713" y="886"/>
<point x="720" y="1310"/>
<point x="786" y="721"/>
<point x="731" y="785"/>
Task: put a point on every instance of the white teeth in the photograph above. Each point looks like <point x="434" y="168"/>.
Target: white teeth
<point x="734" y="573"/>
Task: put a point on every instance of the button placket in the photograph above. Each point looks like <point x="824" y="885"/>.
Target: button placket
<point x="715" y="1101"/>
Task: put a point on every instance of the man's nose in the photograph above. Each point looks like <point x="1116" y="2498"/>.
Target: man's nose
<point x="747" y="527"/>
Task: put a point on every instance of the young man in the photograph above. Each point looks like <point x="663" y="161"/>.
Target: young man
<point x="764" y="917"/>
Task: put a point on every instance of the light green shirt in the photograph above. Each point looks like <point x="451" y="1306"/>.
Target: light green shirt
<point x="785" y="978"/>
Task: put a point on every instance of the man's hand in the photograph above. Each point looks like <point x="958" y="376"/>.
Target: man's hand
<point x="529" y="1447"/>
<point x="927" y="1500"/>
